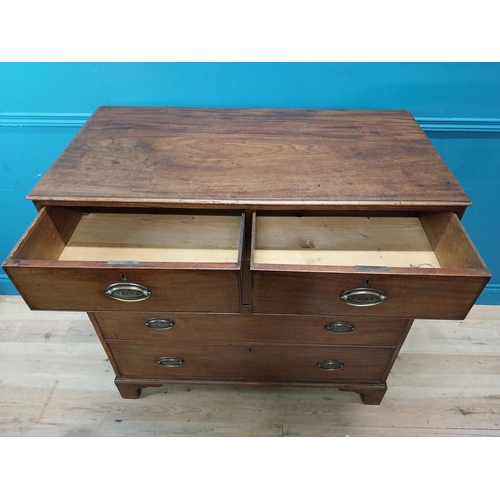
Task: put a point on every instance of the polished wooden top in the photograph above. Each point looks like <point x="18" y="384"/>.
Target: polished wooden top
<point x="254" y="158"/>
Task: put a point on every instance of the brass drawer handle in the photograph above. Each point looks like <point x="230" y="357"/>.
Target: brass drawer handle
<point x="330" y="364"/>
<point x="340" y="327"/>
<point x="363" y="297"/>
<point x="160" y="323"/>
<point x="170" y="362"/>
<point x="128" y="292"/>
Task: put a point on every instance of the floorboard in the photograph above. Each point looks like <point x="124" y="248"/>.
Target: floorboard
<point x="55" y="380"/>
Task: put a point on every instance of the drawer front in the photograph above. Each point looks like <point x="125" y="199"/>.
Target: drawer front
<point x="406" y="296"/>
<point x="253" y="362"/>
<point x="329" y="330"/>
<point x="83" y="289"/>
<point x="421" y="266"/>
<point x="70" y="259"/>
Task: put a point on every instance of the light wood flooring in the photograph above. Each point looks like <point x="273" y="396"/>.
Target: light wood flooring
<point x="55" y="380"/>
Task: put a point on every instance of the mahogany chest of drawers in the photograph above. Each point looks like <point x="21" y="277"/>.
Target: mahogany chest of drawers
<point x="263" y="246"/>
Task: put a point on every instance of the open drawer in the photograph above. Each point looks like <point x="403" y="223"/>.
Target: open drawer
<point x="129" y="260"/>
<point x="408" y="266"/>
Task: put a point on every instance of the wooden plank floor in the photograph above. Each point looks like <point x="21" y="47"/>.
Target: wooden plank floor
<point x="55" y="380"/>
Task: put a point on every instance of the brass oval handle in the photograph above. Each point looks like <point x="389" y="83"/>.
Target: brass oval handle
<point x="340" y="327"/>
<point x="363" y="297"/>
<point x="128" y="292"/>
<point x="170" y="361"/>
<point x="160" y="323"/>
<point x="330" y="364"/>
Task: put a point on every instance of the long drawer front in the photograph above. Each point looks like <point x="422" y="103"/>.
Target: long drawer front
<point x="330" y="330"/>
<point x="252" y="362"/>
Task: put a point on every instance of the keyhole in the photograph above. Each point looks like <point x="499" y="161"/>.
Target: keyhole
<point x="123" y="277"/>
<point x="250" y="350"/>
<point x="367" y="282"/>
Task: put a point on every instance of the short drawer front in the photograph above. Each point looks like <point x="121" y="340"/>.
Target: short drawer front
<point x="85" y="289"/>
<point x="129" y="260"/>
<point x="252" y="362"/>
<point x="417" y="266"/>
<point x="341" y="330"/>
<point x="405" y="296"/>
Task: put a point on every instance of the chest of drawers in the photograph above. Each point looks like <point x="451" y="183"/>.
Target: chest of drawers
<point x="232" y="246"/>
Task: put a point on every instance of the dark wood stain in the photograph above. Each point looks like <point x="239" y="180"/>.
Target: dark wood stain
<point x="258" y="157"/>
<point x="247" y="323"/>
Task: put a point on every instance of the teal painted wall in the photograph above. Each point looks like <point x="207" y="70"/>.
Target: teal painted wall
<point x="42" y="106"/>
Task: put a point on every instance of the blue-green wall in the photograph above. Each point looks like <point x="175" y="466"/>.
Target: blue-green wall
<point x="42" y="106"/>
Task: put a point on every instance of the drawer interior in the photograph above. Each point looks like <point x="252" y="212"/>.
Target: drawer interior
<point x="66" y="234"/>
<point x="420" y="241"/>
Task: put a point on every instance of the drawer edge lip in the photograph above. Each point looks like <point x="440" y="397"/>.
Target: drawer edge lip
<point x="325" y="317"/>
<point x="242" y="343"/>
<point x="174" y="266"/>
<point x="191" y="343"/>
<point x="251" y="204"/>
<point x="392" y="271"/>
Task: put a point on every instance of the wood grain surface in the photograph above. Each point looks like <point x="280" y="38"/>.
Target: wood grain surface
<point x="84" y="288"/>
<point x="55" y="380"/>
<point x="430" y="295"/>
<point x="343" y="241"/>
<point x="250" y="361"/>
<point x="250" y="157"/>
<point x="155" y="238"/>
<point x="251" y="328"/>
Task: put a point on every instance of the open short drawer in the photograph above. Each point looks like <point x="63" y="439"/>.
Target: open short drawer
<point x="124" y="260"/>
<point x="409" y="266"/>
